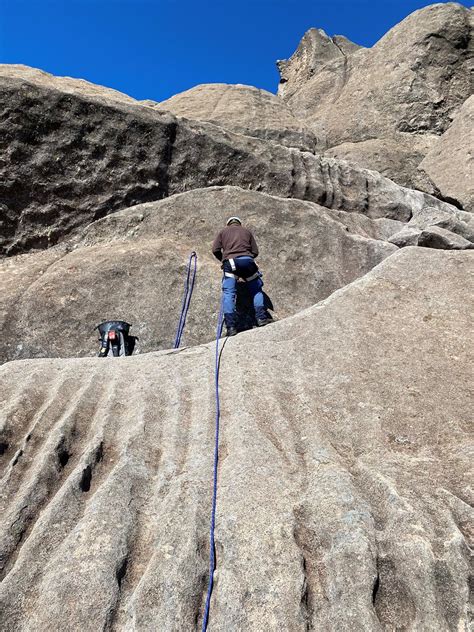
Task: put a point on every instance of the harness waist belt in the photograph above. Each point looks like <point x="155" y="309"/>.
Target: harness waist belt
<point x="235" y="276"/>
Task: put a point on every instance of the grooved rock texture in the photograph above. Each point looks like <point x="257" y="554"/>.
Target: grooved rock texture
<point x="70" y="157"/>
<point x="343" y="476"/>
<point x="411" y="83"/>
<point x="131" y="265"/>
<point x="345" y="452"/>
<point x="245" y="110"/>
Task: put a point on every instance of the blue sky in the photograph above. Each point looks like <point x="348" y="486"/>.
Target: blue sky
<point x="156" y="48"/>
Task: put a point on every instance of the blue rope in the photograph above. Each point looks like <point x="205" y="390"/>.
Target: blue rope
<point x="188" y="292"/>
<point x="212" y="553"/>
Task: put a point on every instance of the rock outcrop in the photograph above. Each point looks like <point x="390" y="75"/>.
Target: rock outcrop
<point x="435" y="229"/>
<point x="132" y="264"/>
<point x="381" y="100"/>
<point x="71" y="158"/>
<point x="245" y="110"/>
<point x="450" y="163"/>
<point x="344" y="467"/>
<point x="343" y="479"/>
<point x="397" y="157"/>
<point x="315" y="50"/>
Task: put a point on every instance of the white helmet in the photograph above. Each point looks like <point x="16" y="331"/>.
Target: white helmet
<point x="234" y="219"/>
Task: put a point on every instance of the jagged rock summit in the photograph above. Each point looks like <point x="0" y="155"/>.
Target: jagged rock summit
<point x="343" y="477"/>
<point x="386" y="107"/>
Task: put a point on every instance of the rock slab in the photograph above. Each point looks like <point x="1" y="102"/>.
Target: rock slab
<point x="343" y="476"/>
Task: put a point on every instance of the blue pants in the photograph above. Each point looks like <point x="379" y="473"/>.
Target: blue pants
<point x="245" y="267"/>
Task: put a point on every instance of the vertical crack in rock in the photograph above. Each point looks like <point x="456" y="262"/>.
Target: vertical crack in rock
<point x="376" y="587"/>
<point x="120" y="573"/>
<point x="305" y="597"/>
<point x="87" y="472"/>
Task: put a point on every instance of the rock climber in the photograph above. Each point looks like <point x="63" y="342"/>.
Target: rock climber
<point x="236" y="247"/>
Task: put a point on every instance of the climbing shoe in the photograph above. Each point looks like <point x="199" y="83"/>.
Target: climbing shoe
<point x="261" y="322"/>
<point x="231" y="331"/>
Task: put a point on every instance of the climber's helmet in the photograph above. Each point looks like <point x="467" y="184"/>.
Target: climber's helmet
<point x="234" y="220"/>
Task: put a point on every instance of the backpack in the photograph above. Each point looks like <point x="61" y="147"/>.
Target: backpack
<point x="114" y="339"/>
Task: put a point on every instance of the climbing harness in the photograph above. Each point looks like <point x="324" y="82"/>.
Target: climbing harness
<point x="248" y="273"/>
<point x="212" y="552"/>
<point x="188" y="292"/>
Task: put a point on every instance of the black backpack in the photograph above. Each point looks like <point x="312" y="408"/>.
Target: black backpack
<point x="115" y="339"/>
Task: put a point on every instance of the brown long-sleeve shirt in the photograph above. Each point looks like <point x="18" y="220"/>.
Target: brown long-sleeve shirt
<point x="234" y="241"/>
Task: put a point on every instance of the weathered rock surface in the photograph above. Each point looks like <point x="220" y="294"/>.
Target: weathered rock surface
<point x="245" y="110"/>
<point x="397" y="157"/>
<point x="131" y="265"/>
<point x="411" y="83"/>
<point x="314" y="51"/>
<point x="433" y="228"/>
<point x="450" y="163"/>
<point x="70" y="158"/>
<point x="344" y="466"/>
<point x="431" y="237"/>
<point x="343" y="480"/>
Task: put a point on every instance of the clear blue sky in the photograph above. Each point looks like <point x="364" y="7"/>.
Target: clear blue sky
<point x="156" y="48"/>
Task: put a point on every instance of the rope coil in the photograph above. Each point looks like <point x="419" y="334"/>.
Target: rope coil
<point x="188" y="292"/>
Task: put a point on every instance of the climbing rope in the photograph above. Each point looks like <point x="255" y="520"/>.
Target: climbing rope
<point x="188" y="292"/>
<point x="212" y="553"/>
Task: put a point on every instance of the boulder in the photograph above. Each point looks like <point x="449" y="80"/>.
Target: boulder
<point x="432" y="237"/>
<point x="450" y="163"/>
<point x="70" y="158"/>
<point x="343" y="480"/>
<point x="244" y="110"/>
<point x="433" y="228"/>
<point x="131" y="266"/>
<point x="436" y="237"/>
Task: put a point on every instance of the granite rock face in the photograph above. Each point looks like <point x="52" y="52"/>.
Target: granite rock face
<point x="344" y="466"/>
<point x="71" y="157"/>
<point x="411" y="83"/>
<point x="450" y="163"/>
<point x="315" y="50"/>
<point x="343" y="479"/>
<point x="245" y="110"/>
<point x="131" y="265"/>
<point x="397" y="157"/>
